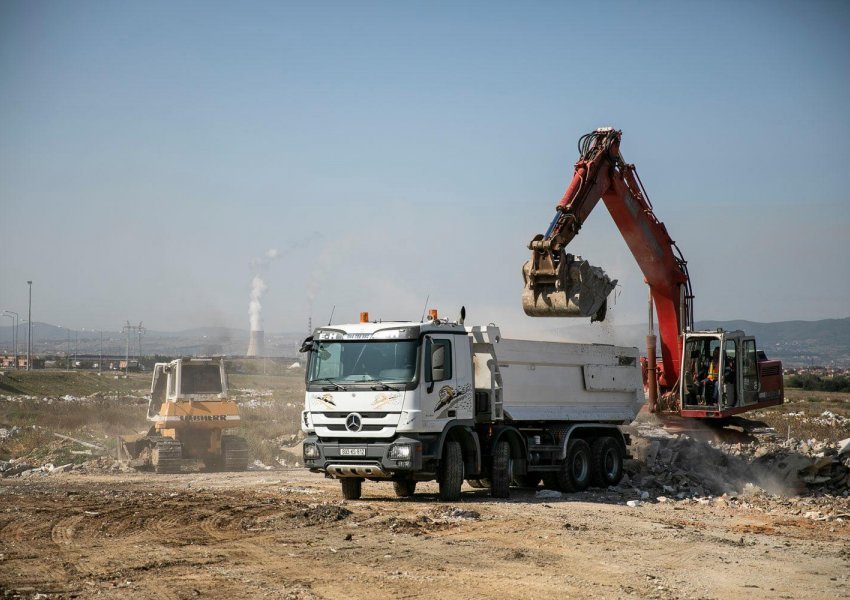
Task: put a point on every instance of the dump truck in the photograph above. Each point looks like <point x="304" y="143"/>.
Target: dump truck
<point x="189" y="411"/>
<point x="438" y="400"/>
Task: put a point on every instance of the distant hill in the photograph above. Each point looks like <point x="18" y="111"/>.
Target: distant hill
<point x="796" y="343"/>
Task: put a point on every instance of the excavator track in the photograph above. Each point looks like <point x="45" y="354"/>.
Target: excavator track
<point x="166" y="456"/>
<point x="234" y="453"/>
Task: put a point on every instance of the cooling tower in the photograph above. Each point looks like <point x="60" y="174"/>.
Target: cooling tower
<point x="257" y="344"/>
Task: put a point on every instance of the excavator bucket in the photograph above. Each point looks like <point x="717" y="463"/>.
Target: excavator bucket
<point x="563" y="285"/>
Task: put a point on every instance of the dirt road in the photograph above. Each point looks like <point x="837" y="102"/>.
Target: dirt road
<point x="287" y="534"/>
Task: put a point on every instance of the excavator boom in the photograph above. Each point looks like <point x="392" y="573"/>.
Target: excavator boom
<point x="601" y="173"/>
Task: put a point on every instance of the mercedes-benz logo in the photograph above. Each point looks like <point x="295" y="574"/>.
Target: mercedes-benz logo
<point x="353" y="422"/>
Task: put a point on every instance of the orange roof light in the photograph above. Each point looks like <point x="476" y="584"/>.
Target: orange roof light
<point x="364" y="317"/>
<point x="432" y="314"/>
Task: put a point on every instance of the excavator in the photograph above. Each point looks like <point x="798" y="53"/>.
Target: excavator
<point x="709" y="375"/>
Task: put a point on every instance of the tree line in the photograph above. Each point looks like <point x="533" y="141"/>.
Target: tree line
<point x="839" y="383"/>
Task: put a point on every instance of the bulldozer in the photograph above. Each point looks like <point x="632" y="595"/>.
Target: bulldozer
<point x="189" y="411"/>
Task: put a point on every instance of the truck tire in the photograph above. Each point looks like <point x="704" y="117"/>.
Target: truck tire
<point x="404" y="488"/>
<point x="235" y="455"/>
<point x="451" y="472"/>
<point x="574" y="475"/>
<point x="606" y="462"/>
<point x="500" y="481"/>
<point x="479" y="484"/>
<point x="352" y="488"/>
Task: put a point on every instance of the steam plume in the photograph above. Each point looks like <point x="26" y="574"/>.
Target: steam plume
<point x="259" y="287"/>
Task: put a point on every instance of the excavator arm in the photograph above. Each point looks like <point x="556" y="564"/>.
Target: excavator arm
<point x="552" y="279"/>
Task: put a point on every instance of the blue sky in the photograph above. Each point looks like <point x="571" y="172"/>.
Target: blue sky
<point x="149" y="151"/>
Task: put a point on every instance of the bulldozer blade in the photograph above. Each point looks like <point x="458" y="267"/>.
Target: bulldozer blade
<point x="578" y="289"/>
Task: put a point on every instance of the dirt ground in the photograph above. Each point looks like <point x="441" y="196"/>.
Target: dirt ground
<point x="288" y="534"/>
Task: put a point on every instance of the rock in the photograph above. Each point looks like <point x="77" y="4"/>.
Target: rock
<point x="652" y="451"/>
<point x="547" y="495"/>
<point x="644" y="495"/>
<point x="17" y="469"/>
<point x="844" y="447"/>
<point x="633" y="503"/>
<point x="62" y="469"/>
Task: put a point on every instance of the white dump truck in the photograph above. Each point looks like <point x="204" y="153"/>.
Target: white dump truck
<point x="408" y="402"/>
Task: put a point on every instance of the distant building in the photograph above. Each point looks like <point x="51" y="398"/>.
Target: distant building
<point x="7" y="361"/>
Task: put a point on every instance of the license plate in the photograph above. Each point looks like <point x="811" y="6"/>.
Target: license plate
<point x="352" y="451"/>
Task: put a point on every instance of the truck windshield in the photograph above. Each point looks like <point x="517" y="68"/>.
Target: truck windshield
<point x="353" y="362"/>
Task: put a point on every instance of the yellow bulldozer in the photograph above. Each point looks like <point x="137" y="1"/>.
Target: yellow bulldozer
<point x="189" y="411"/>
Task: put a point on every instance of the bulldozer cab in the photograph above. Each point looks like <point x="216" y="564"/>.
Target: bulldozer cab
<point x="187" y="379"/>
<point x="719" y="370"/>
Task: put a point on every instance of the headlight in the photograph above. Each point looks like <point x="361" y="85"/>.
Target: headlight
<point x="401" y="452"/>
<point x="311" y="451"/>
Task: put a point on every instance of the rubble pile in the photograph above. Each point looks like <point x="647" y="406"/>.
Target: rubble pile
<point x="679" y="467"/>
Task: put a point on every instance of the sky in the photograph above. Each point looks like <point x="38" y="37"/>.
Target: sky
<point x="154" y="155"/>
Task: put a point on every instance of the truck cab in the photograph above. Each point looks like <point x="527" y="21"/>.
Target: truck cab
<point x="369" y="383"/>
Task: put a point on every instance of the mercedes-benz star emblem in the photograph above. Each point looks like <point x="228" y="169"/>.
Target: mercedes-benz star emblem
<point x="353" y="422"/>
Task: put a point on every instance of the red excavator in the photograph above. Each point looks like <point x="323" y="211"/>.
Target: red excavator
<point x="703" y="374"/>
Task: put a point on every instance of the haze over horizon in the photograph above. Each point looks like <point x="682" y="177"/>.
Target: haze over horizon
<point x="150" y="152"/>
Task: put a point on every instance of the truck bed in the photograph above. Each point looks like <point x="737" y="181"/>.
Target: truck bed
<point x="556" y="381"/>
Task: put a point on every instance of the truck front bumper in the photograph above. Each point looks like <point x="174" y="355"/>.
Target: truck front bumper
<point x="367" y="459"/>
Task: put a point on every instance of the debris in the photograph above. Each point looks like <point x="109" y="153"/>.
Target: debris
<point x="548" y="495"/>
<point x="80" y="442"/>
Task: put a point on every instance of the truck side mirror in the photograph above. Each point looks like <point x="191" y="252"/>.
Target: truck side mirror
<point x="307" y="344"/>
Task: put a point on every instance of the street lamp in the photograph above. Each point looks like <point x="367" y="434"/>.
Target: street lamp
<point x="9" y="313"/>
<point x="29" y="331"/>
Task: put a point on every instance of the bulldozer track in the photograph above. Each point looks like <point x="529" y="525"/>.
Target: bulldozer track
<point x="235" y="453"/>
<point x="167" y="456"/>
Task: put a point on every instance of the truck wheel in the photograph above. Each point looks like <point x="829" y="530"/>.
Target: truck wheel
<point x="479" y="484"/>
<point x="451" y="472"/>
<point x="404" y="488"/>
<point x="529" y="481"/>
<point x="352" y="488"/>
<point x="574" y="475"/>
<point x="606" y="462"/>
<point x="500" y="482"/>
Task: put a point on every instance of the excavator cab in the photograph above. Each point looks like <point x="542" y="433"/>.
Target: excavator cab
<point x="720" y="373"/>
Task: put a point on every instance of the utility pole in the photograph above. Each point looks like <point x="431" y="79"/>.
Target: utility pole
<point x="129" y="330"/>
<point x="68" y="351"/>
<point x="139" y="332"/>
<point x="100" y="362"/>
<point x="29" y="330"/>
